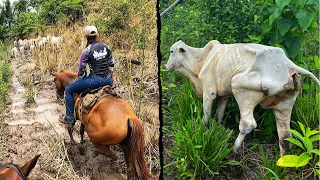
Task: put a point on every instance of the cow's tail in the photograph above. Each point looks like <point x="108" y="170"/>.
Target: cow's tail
<point x="136" y="151"/>
<point x="303" y="71"/>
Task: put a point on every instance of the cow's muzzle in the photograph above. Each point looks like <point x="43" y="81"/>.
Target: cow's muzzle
<point x="169" y="67"/>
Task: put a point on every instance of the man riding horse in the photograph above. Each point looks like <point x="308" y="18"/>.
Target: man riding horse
<point x="99" y="58"/>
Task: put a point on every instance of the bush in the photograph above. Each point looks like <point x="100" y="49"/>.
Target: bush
<point x="52" y="11"/>
<point x="117" y="16"/>
<point x="197" y="22"/>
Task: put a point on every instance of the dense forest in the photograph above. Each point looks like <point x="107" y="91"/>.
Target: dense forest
<point x="190" y="152"/>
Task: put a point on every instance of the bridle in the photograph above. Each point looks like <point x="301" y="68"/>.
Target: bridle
<point x="15" y="168"/>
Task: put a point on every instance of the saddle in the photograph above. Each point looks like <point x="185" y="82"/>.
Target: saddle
<point x="87" y="99"/>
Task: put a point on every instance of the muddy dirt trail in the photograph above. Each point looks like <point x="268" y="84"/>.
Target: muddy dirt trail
<point x="33" y="128"/>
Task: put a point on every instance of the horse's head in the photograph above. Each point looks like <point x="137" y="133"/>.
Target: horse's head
<point x="14" y="172"/>
<point x="63" y="79"/>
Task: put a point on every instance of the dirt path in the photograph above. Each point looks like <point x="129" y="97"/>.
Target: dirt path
<point x="33" y="128"/>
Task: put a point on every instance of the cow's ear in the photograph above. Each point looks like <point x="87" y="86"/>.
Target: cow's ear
<point x="182" y="50"/>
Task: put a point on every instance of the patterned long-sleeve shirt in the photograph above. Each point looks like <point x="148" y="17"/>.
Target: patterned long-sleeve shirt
<point x="99" y="58"/>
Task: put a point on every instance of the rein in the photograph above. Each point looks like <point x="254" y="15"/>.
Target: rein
<point x="15" y="168"/>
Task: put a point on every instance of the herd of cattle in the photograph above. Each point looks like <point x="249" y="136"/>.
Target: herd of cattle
<point x="21" y="47"/>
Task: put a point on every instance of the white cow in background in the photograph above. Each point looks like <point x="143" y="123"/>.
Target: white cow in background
<point x="14" y="52"/>
<point x="252" y="73"/>
<point x="32" y="47"/>
<point x="56" y="42"/>
<point x="41" y="42"/>
<point x="22" y="50"/>
<point x="15" y="43"/>
<point x="20" y="42"/>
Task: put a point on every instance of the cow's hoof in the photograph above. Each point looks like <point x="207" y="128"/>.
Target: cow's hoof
<point x="285" y="145"/>
<point x="236" y="154"/>
<point x="236" y="151"/>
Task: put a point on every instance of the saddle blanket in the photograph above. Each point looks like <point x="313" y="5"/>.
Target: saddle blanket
<point x="87" y="100"/>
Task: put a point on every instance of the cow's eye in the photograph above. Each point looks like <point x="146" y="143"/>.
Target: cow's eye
<point x="171" y="51"/>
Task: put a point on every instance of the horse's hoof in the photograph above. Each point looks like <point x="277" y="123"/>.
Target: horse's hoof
<point x="81" y="150"/>
<point x="114" y="158"/>
<point x="96" y="153"/>
<point x="72" y="142"/>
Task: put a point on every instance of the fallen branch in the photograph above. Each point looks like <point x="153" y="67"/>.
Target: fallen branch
<point x="170" y="7"/>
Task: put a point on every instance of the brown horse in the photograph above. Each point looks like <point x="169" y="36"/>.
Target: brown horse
<point x="111" y="121"/>
<point x="13" y="172"/>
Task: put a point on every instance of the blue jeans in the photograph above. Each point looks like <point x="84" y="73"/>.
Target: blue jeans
<point x="85" y="83"/>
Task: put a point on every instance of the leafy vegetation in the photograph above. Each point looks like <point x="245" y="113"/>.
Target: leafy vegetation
<point x="291" y="25"/>
<point x="307" y="141"/>
<point x="33" y="16"/>
<point x="285" y="22"/>
<point x="5" y="73"/>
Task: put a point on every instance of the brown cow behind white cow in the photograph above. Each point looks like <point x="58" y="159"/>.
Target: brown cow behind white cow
<point x="252" y="73"/>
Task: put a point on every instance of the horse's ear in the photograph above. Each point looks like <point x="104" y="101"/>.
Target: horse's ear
<point x="26" y="169"/>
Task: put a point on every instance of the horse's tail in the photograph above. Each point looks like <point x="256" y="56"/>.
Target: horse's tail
<point x="136" y="156"/>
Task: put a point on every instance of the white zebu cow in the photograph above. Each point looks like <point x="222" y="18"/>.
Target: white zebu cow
<point x="15" y="43"/>
<point x="56" y="42"/>
<point x="20" y="42"/>
<point x="22" y="50"/>
<point x="32" y="47"/>
<point x="14" y="52"/>
<point x="27" y="44"/>
<point x="41" y="42"/>
<point x="252" y="73"/>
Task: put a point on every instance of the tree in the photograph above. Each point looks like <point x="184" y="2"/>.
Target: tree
<point x="8" y="13"/>
<point x="20" y="6"/>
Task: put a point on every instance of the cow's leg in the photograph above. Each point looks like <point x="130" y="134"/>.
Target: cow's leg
<point x="208" y="99"/>
<point x="222" y="103"/>
<point x="282" y="112"/>
<point x="247" y="101"/>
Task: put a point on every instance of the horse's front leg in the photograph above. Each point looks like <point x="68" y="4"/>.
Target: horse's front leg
<point x="82" y="132"/>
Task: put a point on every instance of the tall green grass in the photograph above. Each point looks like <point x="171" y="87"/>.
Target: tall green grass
<point x="196" y="152"/>
<point x="271" y="170"/>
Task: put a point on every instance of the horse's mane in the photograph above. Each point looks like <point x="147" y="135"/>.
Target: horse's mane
<point x="65" y="78"/>
<point x="69" y="73"/>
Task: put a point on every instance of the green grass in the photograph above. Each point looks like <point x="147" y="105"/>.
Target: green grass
<point x="272" y="171"/>
<point x="30" y="89"/>
<point x="196" y="152"/>
<point x="5" y="73"/>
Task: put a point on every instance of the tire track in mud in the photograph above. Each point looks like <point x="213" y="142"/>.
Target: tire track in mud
<point x="33" y="128"/>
